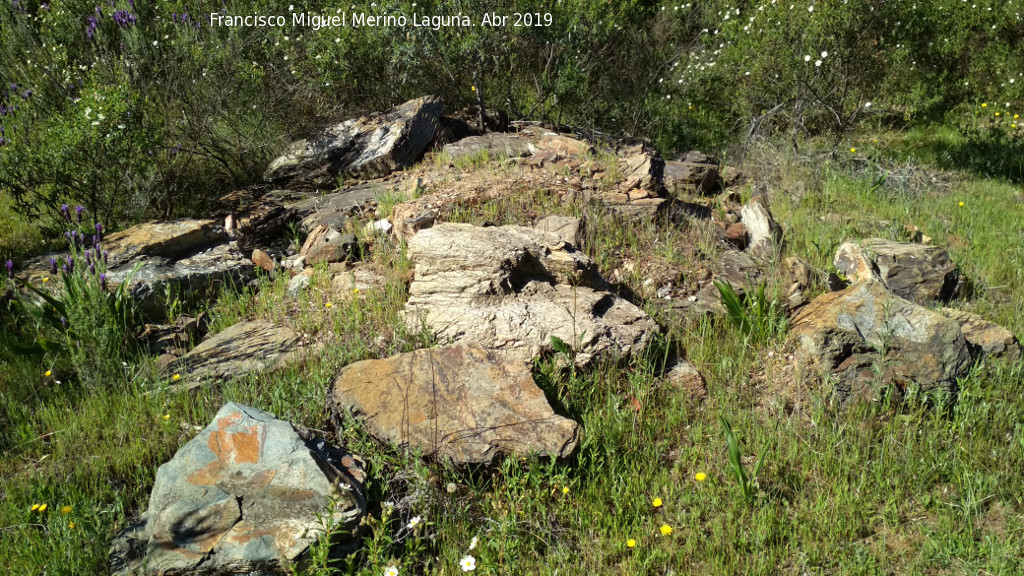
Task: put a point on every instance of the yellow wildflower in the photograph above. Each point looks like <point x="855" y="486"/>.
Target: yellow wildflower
<point x="997" y="113"/>
<point x="42" y="507"/>
<point x="700" y="476"/>
<point x="48" y="373"/>
<point x="631" y="543"/>
<point x="355" y="290"/>
<point x="1016" y="116"/>
<point x="961" y="204"/>
<point x="35" y="507"/>
<point x="167" y="416"/>
<point x="473" y="88"/>
<point x="984" y="105"/>
<point x="46" y="278"/>
<point x="176" y="377"/>
<point x="565" y="490"/>
<point x="665" y="530"/>
<point x="328" y="305"/>
<point x="853" y="150"/>
<point x="1013" y="125"/>
<point x="656" y="502"/>
<point x="65" y="510"/>
<point x="71" y="525"/>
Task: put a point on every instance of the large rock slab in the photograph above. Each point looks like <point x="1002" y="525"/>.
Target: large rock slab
<point x="985" y="338"/>
<point x="366" y="147"/>
<point x="151" y="278"/>
<point x="242" y="348"/>
<point x="917" y="272"/>
<point x="512" y="288"/>
<point x="245" y="496"/>
<point x="169" y="240"/>
<point x="460" y="403"/>
<point x="529" y="141"/>
<point x="872" y="338"/>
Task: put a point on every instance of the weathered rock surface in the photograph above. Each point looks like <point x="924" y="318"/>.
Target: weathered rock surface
<point x="985" y="338"/>
<point x="366" y="147"/>
<point x="169" y="240"/>
<point x="242" y="348"/>
<point x="242" y="497"/>
<point x="869" y="336"/>
<point x="261" y="223"/>
<point x="685" y="377"/>
<point x="325" y="244"/>
<point x="684" y="177"/>
<point x="763" y="232"/>
<point x="512" y="288"/>
<point x="460" y="403"/>
<point x="529" y="141"/>
<point x="335" y="209"/>
<point x="197" y="275"/>
<point x="917" y="272"/>
<point x="567" y="228"/>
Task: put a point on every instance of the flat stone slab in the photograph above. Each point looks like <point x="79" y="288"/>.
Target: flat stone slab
<point x="245" y="496"/>
<point x="917" y="272"/>
<point x="243" y="348"/>
<point x="460" y="403"/>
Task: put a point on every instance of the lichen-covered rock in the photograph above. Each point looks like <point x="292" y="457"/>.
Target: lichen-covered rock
<point x="869" y="336"/>
<point x="245" y="496"/>
<point x="691" y="178"/>
<point x="512" y="288"/>
<point x="367" y="147"/>
<point x="917" y="272"/>
<point x="460" y="403"/>
<point x="242" y="348"/>
<point x="567" y="228"/>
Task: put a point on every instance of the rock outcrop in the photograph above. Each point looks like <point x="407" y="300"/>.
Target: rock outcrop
<point x="512" y="288"/>
<point x="871" y="338"/>
<point x="917" y="272"/>
<point x="460" y="403"/>
<point x="244" y="496"/>
<point x="366" y="147"/>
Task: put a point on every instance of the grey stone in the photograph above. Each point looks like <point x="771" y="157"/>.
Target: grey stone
<point x="367" y="147"/>
<point x="917" y="272"/>
<point x="245" y="496"/>
<point x="241" y="349"/>
<point x="565" y="227"/>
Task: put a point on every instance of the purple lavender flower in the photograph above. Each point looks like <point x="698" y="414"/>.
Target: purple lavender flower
<point x="105" y="254"/>
<point x="27" y="94"/>
<point x="70" y="264"/>
<point x="78" y="212"/>
<point x="93" y="24"/>
<point x="64" y="211"/>
<point x="96" y="243"/>
<point x="10" y="269"/>
<point x="64" y="268"/>
<point x="53" y="266"/>
<point x="103" y="281"/>
<point x="99" y="232"/>
<point x="92" y="268"/>
<point x="88" y="256"/>
<point x="63" y="322"/>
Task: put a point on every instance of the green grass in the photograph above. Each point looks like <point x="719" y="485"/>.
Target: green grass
<point x="869" y="490"/>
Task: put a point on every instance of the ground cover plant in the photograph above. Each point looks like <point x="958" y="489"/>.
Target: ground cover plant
<point x="856" y="119"/>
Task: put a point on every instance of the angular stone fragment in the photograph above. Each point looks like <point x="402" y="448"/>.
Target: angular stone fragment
<point x="917" y="272"/>
<point x="867" y="335"/>
<point x="512" y="288"/>
<point x="763" y="231"/>
<point x="245" y="496"/>
<point x="366" y="147"/>
<point x="243" y="348"/>
<point x="985" y="338"/>
<point x="326" y="244"/>
<point x="567" y="228"/>
<point x="460" y="403"/>
<point x="691" y="178"/>
<point x="334" y="210"/>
